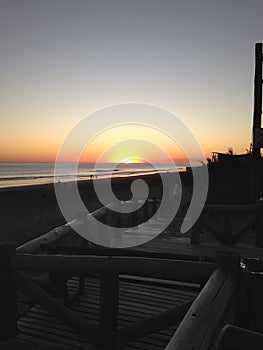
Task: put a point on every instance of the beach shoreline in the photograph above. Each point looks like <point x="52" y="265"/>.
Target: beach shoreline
<point x="29" y="211"/>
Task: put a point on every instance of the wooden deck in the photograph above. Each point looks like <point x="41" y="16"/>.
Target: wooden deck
<point x="139" y="298"/>
<point x="181" y="246"/>
<point x="137" y="301"/>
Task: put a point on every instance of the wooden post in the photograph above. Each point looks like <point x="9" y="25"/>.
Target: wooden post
<point x="195" y="232"/>
<point x="108" y="317"/>
<point x="227" y="239"/>
<point x="257" y="121"/>
<point x="8" y="296"/>
<point x="205" y="314"/>
<point x="232" y="337"/>
<point x="229" y="261"/>
<point x="259" y="223"/>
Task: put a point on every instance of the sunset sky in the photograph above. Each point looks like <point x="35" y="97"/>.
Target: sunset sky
<point x="62" y="60"/>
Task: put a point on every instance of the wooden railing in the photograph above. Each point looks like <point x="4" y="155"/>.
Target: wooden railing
<point x="228" y="235"/>
<point x="206" y="315"/>
<point x="109" y="214"/>
<point x="199" y="321"/>
<point x="109" y="269"/>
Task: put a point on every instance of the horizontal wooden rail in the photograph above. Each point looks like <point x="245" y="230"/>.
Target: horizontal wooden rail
<point x="229" y="208"/>
<point x="15" y="344"/>
<point x="33" y="246"/>
<point x="243" y="228"/>
<point x="178" y="270"/>
<point x="231" y="337"/>
<point x="56" y="308"/>
<point x="103" y="251"/>
<point x="205" y="314"/>
<point x="228" y="236"/>
<point x="153" y="324"/>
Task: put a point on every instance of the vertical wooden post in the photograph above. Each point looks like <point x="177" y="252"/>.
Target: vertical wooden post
<point x="257" y="120"/>
<point x="259" y="223"/>
<point x="81" y="284"/>
<point x="195" y="232"/>
<point x="150" y="208"/>
<point x="227" y="230"/>
<point x="8" y="295"/>
<point x="108" y="317"/>
<point x="134" y="215"/>
<point x="229" y="261"/>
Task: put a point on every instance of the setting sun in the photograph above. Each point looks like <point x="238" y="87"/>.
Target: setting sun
<point x="132" y="160"/>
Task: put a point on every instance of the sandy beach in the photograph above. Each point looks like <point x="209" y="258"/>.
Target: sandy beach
<point x="30" y="211"/>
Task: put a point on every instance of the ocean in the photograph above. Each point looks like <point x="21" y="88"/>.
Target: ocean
<point x="25" y="174"/>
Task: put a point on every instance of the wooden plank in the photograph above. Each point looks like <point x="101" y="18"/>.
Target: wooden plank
<point x="229" y="208"/>
<point x="55" y="307"/>
<point x="232" y="337"/>
<point x="88" y="307"/>
<point x="205" y="313"/>
<point x="259" y="224"/>
<point x="16" y="344"/>
<point x="52" y="338"/>
<point x="33" y="246"/>
<point x="8" y="294"/>
<point x="70" y="338"/>
<point x="162" y="320"/>
<point x="108" y="314"/>
<point x="188" y="271"/>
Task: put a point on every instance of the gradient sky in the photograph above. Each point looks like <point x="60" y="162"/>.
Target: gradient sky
<point x="63" y="59"/>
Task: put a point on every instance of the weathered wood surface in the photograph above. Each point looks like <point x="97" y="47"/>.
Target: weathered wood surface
<point x="34" y="245"/>
<point x="178" y="270"/>
<point x="55" y="307"/>
<point x="231" y="337"/>
<point x="15" y="344"/>
<point x="137" y="301"/>
<point x="208" y="250"/>
<point x="8" y="294"/>
<point x="60" y="232"/>
<point x="108" y="311"/>
<point x="204" y="316"/>
<point x="151" y="325"/>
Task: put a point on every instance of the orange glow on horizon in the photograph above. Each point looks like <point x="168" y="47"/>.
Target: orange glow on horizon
<point x="133" y="144"/>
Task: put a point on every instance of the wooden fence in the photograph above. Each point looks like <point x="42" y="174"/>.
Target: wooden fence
<point x="200" y="322"/>
<point x="228" y="235"/>
<point x="201" y="319"/>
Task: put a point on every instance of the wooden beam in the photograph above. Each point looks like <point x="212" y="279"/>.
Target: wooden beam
<point x="8" y="295"/>
<point x="108" y="314"/>
<point x="153" y="324"/>
<point x="178" y="270"/>
<point x="56" y="308"/>
<point x="204" y="316"/>
<point x="228" y="208"/>
<point x="257" y="96"/>
<point x="232" y="337"/>
<point x="15" y="344"/>
<point x="33" y="246"/>
<point x="195" y="233"/>
<point x="227" y="235"/>
<point x="256" y="123"/>
<point x="259" y="223"/>
<point x="124" y="252"/>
